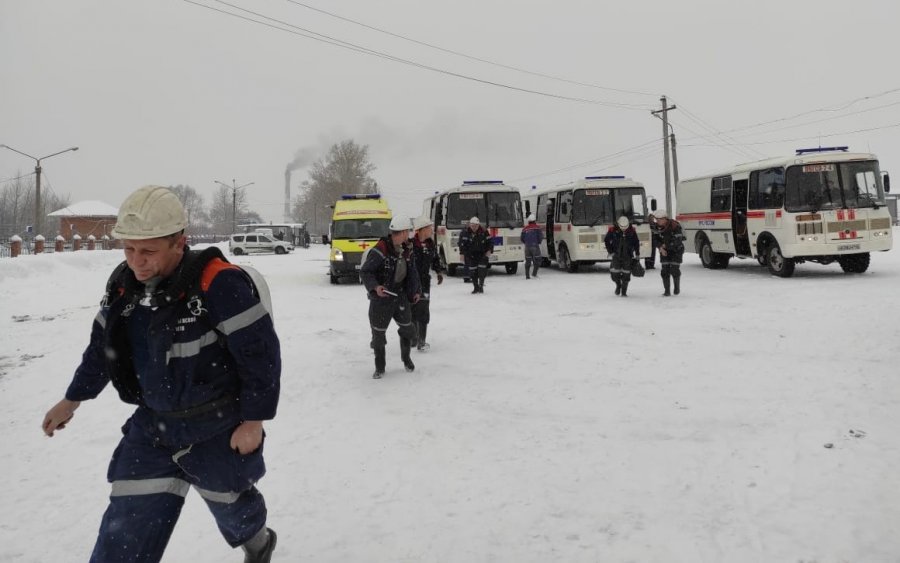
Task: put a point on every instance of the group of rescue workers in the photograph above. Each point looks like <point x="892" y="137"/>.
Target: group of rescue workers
<point x="188" y="339"/>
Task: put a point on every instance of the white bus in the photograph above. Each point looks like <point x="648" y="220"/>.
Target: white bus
<point x="497" y="205"/>
<point x="576" y="216"/>
<point x="821" y="205"/>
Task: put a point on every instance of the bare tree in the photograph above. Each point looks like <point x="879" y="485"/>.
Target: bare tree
<point x="222" y="206"/>
<point x="344" y="170"/>
<point x="17" y="204"/>
<point x="194" y="207"/>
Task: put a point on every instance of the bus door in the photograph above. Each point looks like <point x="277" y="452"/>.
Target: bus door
<point x="739" y="218"/>
<point x="545" y="214"/>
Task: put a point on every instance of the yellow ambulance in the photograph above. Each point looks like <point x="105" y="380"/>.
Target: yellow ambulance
<point x="357" y="223"/>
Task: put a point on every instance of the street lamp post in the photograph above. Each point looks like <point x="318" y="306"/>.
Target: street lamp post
<point x="234" y="188"/>
<point x="38" y="219"/>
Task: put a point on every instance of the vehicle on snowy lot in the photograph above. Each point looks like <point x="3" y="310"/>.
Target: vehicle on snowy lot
<point x="257" y="243"/>
<point x="358" y="221"/>
<point x="497" y="205"/>
<point x="822" y="205"/>
<point x="576" y="216"/>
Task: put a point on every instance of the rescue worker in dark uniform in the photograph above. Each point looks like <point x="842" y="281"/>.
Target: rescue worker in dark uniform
<point x="669" y="238"/>
<point x="427" y="259"/>
<point x="189" y="342"/>
<point x="531" y="237"/>
<point x="391" y="279"/>
<point x="650" y="263"/>
<point x="476" y="245"/>
<point x="624" y="247"/>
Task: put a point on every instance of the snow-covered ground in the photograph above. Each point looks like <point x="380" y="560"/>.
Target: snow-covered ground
<point x="550" y="422"/>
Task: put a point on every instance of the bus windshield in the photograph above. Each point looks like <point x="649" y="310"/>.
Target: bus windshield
<point x="601" y="206"/>
<point x="833" y="185"/>
<point x="495" y="209"/>
<point x="369" y="229"/>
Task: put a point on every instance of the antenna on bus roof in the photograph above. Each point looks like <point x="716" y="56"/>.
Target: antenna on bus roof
<point x="477" y="182"/>
<point x="821" y="149"/>
<point x="604" y="177"/>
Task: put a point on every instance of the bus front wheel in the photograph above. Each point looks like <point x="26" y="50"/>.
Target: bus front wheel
<point x="511" y="269"/>
<point x="565" y="261"/>
<point x="777" y="263"/>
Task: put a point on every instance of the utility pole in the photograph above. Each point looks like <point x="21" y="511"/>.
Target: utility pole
<point x="664" y="112"/>
<point x="234" y="188"/>
<point x="674" y="158"/>
<point x="38" y="216"/>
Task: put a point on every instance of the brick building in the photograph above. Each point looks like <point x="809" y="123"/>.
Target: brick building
<point x="85" y="218"/>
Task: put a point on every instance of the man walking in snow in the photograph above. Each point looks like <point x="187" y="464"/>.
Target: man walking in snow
<point x="624" y="247"/>
<point x="182" y="335"/>
<point x="427" y="259"/>
<point x="390" y="276"/>
<point x="531" y="238"/>
<point x="669" y="238"/>
<point x="476" y="245"/>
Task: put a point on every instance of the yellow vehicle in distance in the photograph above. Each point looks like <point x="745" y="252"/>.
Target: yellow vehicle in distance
<point x="358" y="221"/>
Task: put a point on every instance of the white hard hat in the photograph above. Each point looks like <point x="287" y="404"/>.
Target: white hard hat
<point x="474" y="221"/>
<point x="531" y="218"/>
<point x="150" y="212"/>
<point x="623" y="222"/>
<point x="422" y="222"/>
<point x="399" y="224"/>
<point x="661" y="214"/>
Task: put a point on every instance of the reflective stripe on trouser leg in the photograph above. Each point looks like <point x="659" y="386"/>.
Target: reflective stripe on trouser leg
<point x="137" y="525"/>
<point x="241" y="518"/>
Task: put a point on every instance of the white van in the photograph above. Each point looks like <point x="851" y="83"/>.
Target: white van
<point x="255" y="243"/>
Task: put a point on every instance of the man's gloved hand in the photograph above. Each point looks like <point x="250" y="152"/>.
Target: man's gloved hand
<point x="440" y="278"/>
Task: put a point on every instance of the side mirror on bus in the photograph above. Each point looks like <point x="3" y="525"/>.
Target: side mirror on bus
<point x="653" y="204"/>
<point x="887" y="182"/>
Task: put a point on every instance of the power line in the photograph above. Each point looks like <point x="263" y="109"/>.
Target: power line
<point x="891" y="126"/>
<point x="17" y="177"/>
<point x="585" y="163"/>
<point x="467" y="56"/>
<point x="832" y="118"/>
<point x="842" y="106"/>
<point x="309" y="34"/>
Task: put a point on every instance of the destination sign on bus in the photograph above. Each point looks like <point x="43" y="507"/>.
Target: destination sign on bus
<point x="471" y="196"/>
<point x="596" y="192"/>
<point x="814" y="168"/>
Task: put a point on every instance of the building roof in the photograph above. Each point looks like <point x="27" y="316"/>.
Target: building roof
<point x="87" y="209"/>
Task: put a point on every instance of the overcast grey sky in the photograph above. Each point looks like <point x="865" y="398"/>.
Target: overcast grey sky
<point x="169" y="92"/>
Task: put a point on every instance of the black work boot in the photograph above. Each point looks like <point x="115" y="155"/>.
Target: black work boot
<point x="624" y="288"/>
<point x="422" y="345"/>
<point x="481" y="275"/>
<point x="677" y="280"/>
<point x="379" y="362"/>
<point x="666" y="286"/>
<point x="264" y="554"/>
<point x="618" y="284"/>
<point x="534" y="272"/>
<point x="404" y="354"/>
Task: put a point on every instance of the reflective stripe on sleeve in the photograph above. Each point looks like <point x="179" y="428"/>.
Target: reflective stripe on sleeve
<point x="192" y="348"/>
<point x="243" y="320"/>
<point x="100" y="319"/>
<point x="169" y="485"/>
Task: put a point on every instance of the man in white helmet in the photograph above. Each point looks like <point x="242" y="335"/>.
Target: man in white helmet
<point x="531" y="238"/>
<point x="392" y="282"/>
<point x="183" y="336"/>
<point x="427" y="259"/>
<point x="624" y="248"/>
<point x="476" y="245"/>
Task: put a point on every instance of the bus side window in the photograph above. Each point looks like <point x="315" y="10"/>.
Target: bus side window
<point x="720" y="195"/>
<point x="564" y="208"/>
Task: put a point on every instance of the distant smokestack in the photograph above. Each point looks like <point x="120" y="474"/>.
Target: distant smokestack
<point x="287" y="195"/>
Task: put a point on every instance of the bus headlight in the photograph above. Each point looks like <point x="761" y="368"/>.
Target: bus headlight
<point x="338" y="256"/>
